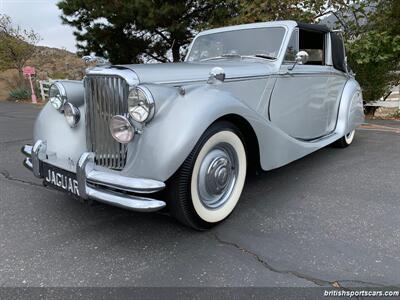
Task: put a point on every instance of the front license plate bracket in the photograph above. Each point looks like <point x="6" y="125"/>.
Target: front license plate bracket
<point x="60" y="179"/>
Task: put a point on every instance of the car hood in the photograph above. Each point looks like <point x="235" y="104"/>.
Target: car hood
<point x="188" y="72"/>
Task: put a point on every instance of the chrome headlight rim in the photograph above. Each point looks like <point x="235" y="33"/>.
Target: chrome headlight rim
<point x="63" y="96"/>
<point x="148" y="106"/>
<point x="72" y="114"/>
<point x="128" y="127"/>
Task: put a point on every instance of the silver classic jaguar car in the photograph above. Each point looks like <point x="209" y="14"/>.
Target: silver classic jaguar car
<point x="183" y="135"/>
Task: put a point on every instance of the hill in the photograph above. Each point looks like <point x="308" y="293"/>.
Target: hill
<point x="49" y="63"/>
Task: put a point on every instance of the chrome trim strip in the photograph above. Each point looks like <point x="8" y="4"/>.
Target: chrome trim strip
<point x="317" y="139"/>
<point x="306" y="74"/>
<point x="115" y="181"/>
<point x="134" y="203"/>
<point x="117" y="70"/>
<point x="245" y="78"/>
<point x="227" y="79"/>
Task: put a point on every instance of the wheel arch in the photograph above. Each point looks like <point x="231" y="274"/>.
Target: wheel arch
<point x="179" y="123"/>
<point x="351" y="111"/>
<point x="249" y="138"/>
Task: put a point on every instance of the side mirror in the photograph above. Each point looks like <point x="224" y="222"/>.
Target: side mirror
<point x="217" y="74"/>
<point x="301" y="59"/>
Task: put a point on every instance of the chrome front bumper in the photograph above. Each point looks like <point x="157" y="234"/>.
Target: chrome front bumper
<point x="107" y="187"/>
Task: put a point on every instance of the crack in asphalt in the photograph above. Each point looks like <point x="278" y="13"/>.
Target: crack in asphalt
<point x="317" y="281"/>
<point x="7" y="176"/>
<point x="16" y="141"/>
<point x="8" y="116"/>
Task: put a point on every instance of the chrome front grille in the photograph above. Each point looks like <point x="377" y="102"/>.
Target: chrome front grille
<point x="105" y="96"/>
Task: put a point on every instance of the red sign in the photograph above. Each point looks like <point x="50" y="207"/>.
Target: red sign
<point x="29" y="71"/>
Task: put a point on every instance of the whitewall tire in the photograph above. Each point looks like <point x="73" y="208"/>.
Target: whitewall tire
<point x="207" y="187"/>
<point x="346" y="140"/>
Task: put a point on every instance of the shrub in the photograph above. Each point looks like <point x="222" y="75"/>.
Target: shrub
<point x="20" y="93"/>
<point x="396" y="114"/>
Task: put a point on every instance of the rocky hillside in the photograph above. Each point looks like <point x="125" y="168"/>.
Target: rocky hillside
<point x="49" y="63"/>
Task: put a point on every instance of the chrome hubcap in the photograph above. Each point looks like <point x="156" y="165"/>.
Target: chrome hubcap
<point x="217" y="175"/>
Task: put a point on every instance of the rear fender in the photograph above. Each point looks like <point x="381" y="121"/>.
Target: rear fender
<point x="351" y="111"/>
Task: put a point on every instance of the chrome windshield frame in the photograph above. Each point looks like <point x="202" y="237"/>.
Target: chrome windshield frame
<point x="243" y="27"/>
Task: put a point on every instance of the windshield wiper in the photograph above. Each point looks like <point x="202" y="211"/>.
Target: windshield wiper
<point x="227" y="55"/>
<point x="266" y="56"/>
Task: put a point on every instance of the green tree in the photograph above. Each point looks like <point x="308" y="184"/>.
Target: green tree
<point x="271" y="10"/>
<point x="373" y="46"/>
<point x="371" y="29"/>
<point x="131" y="31"/>
<point x="17" y="45"/>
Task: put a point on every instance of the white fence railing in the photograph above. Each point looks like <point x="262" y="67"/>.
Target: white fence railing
<point x="44" y="88"/>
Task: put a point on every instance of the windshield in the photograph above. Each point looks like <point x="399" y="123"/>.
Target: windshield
<point x="262" y="42"/>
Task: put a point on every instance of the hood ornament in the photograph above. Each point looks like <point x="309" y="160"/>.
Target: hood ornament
<point x="92" y="58"/>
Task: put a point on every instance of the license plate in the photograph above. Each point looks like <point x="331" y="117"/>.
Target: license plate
<point x="61" y="179"/>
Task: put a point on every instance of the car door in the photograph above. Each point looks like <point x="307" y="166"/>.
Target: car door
<point x="301" y="100"/>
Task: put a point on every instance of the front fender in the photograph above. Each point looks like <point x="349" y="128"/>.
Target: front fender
<point x="64" y="144"/>
<point x="177" y="126"/>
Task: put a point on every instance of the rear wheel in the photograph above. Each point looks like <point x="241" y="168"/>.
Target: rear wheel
<point x="346" y="140"/>
<point x="208" y="185"/>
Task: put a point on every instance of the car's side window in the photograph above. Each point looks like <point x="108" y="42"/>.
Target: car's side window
<point x="292" y="48"/>
<point x="313" y="42"/>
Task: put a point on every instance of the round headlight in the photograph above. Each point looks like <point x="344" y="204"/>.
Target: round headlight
<point x="121" y="129"/>
<point x="57" y="96"/>
<point x="72" y="114"/>
<point x="141" y="104"/>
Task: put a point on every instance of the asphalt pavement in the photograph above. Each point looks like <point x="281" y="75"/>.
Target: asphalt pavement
<point x="329" y="219"/>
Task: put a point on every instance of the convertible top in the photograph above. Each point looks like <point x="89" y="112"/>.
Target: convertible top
<point x="313" y="27"/>
<point x="338" y="52"/>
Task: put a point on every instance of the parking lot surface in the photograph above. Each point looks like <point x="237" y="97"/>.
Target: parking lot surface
<point x="331" y="218"/>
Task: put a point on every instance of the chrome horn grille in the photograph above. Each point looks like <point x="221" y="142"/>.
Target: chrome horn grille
<point x="105" y="96"/>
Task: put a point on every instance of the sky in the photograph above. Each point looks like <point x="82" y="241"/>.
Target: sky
<point x="43" y="16"/>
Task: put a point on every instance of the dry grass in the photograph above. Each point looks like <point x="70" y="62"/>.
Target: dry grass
<point x="49" y="63"/>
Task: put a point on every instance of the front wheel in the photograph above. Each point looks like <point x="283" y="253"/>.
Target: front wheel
<point x="346" y="140"/>
<point x="208" y="185"/>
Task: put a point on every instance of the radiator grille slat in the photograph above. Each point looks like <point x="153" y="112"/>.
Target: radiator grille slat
<point x="105" y="96"/>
